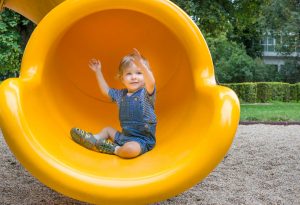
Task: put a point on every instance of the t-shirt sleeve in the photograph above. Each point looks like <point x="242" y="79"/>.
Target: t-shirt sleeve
<point x="152" y="96"/>
<point x="115" y="94"/>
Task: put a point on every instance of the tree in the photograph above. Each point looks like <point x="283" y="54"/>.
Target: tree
<point x="246" y="16"/>
<point x="233" y="32"/>
<point x="239" y="20"/>
<point x="282" y="20"/>
<point x="212" y="17"/>
<point x="290" y="71"/>
<point x="15" y="31"/>
<point x="233" y="64"/>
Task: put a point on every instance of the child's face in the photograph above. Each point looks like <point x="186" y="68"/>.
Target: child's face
<point x="133" y="78"/>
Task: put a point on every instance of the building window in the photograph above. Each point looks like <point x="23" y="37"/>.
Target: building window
<point x="268" y="44"/>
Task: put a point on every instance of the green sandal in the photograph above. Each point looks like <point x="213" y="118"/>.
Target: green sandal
<point x="88" y="140"/>
<point x="84" y="138"/>
<point x="105" y="146"/>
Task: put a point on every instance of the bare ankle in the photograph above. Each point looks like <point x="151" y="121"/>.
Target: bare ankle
<point x="98" y="137"/>
<point x="116" y="150"/>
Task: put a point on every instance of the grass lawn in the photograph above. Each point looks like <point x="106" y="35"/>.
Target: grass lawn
<point x="271" y="112"/>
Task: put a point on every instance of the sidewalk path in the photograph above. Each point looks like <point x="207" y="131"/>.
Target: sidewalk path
<point x="262" y="167"/>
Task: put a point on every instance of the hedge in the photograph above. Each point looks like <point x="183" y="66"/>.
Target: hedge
<point x="295" y="91"/>
<point x="266" y="91"/>
<point x="273" y="91"/>
<point x="245" y="91"/>
<point x="297" y="85"/>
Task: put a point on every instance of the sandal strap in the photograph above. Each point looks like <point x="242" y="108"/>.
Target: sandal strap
<point x="105" y="146"/>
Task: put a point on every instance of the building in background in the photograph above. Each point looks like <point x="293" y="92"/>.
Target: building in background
<point x="272" y="56"/>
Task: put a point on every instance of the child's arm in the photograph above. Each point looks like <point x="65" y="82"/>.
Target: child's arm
<point x="148" y="75"/>
<point x="95" y="65"/>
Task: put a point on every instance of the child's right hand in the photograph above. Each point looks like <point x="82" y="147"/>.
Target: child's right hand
<point x="95" y="64"/>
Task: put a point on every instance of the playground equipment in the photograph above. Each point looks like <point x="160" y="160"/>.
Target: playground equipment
<point x="56" y="91"/>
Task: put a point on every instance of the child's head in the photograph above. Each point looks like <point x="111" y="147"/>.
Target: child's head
<point x="130" y="74"/>
<point x="127" y="61"/>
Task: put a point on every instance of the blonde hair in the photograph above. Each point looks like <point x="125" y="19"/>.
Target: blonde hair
<point x="127" y="61"/>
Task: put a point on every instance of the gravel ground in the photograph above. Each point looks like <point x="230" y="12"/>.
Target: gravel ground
<point x="262" y="167"/>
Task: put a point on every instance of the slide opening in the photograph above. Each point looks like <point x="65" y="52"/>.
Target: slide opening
<point x="71" y="89"/>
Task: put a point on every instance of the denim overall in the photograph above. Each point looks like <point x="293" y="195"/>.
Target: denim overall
<point x="137" y="118"/>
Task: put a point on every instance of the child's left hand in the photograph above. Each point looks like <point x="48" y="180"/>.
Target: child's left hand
<point x="138" y="59"/>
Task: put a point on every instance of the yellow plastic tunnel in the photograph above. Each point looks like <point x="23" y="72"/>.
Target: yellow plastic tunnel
<point x="56" y="91"/>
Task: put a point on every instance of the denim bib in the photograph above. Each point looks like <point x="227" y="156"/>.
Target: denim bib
<point x="133" y="112"/>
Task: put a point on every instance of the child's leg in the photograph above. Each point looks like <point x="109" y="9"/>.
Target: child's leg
<point x="128" y="150"/>
<point x="107" y="132"/>
<point x="100" y="144"/>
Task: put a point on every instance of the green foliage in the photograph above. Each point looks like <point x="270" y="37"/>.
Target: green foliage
<point x="10" y="50"/>
<point x="239" y="20"/>
<point x="296" y="92"/>
<point x="211" y="16"/>
<point x="239" y="67"/>
<point x="264" y="72"/>
<point x="248" y="30"/>
<point x="293" y="92"/>
<point x="281" y="92"/>
<point x="266" y="91"/>
<point x="232" y="64"/>
<point x="290" y="72"/>
<point x="273" y="91"/>
<point x="282" y="19"/>
<point x="234" y="29"/>
<point x="14" y="33"/>
<point x="245" y="91"/>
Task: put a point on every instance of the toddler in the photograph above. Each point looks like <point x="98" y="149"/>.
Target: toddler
<point x="136" y="110"/>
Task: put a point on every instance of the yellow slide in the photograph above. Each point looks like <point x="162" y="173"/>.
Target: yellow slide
<point x="56" y="91"/>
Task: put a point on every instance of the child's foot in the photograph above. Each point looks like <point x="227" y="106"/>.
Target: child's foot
<point x="89" y="141"/>
<point x="84" y="138"/>
<point x="105" y="146"/>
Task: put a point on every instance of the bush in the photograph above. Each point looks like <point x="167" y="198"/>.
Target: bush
<point x="266" y="91"/>
<point x="293" y="92"/>
<point x="245" y="91"/>
<point x="297" y="92"/>
<point x="8" y="73"/>
<point x="232" y="64"/>
<point x="14" y="34"/>
<point x="273" y="91"/>
<point x="290" y="71"/>
<point x="281" y="92"/>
